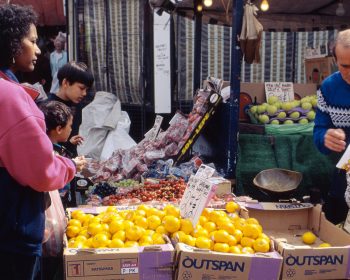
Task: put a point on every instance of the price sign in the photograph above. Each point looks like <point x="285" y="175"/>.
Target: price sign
<point x="197" y="194"/>
<point x="283" y="90"/>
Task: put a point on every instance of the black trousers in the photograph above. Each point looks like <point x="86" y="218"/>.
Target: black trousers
<point x="18" y="267"/>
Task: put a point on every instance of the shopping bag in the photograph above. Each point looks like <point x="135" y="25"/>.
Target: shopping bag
<point x="55" y="224"/>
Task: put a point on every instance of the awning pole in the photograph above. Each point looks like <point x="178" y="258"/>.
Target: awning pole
<point x="236" y="56"/>
<point x="197" y="47"/>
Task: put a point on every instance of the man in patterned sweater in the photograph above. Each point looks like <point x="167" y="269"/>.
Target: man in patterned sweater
<point x="332" y="124"/>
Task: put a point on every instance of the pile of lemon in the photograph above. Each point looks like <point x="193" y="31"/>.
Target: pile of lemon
<point x="218" y="230"/>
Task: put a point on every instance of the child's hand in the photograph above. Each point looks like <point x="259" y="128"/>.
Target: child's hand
<point x="80" y="162"/>
<point x="76" y="140"/>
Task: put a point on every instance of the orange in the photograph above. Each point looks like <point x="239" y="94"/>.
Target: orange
<point x="72" y="231"/>
<point x="221" y="247"/>
<point x="261" y="245"/>
<point x="100" y="240"/>
<point x="204" y="242"/>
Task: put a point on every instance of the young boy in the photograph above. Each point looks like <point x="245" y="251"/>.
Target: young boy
<point x="74" y="81"/>
<point x="58" y="119"/>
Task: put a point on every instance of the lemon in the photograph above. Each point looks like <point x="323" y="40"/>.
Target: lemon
<point x="115" y="226"/>
<point x="247" y="242"/>
<point x="252" y="221"/>
<point x="221" y="236"/>
<point x="200" y="232"/>
<point x="127" y="224"/>
<point x="232" y="240"/>
<point x="100" y="240"/>
<point x="221" y="247"/>
<point x="171" y="210"/>
<point x="119" y="235"/>
<point x="186" y="226"/>
<point x="161" y="230"/>
<point x="74" y="222"/>
<point x="153" y="222"/>
<point x="229" y="227"/>
<point x="204" y="242"/>
<point x="158" y="238"/>
<point x="232" y="207"/>
<point x="94" y="228"/>
<point x="145" y="240"/>
<point x="240" y="223"/>
<point x="116" y="243"/>
<point x="209" y="226"/>
<point x="143" y="207"/>
<point x="84" y="233"/>
<point x="309" y="238"/>
<point x="171" y="223"/>
<point x="134" y="233"/>
<point x="247" y="250"/>
<point x="203" y="220"/>
<point x="189" y="240"/>
<point x="234" y="250"/>
<point x="141" y="221"/>
<point x="238" y="234"/>
<point x="324" y="245"/>
<point x="129" y="244"/>
<point x="178" y="236"/>
<point x="251" y="230"/>
<point x="72" y="231"/>
<point x="261" y="245"/>
<point x="76" y="213"/>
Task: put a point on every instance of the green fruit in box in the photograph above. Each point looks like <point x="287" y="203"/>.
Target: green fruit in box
<point x="296" y="103"/>
<point x="278" y="105"/>
<point x="305" y="99"/>
<point x="311" y="115"/>
<point x="264" y="118"/>
<point x="294" y="115"/>
<point x="253" y="109"/>
<point x="272" y="99"/>
<point x="314" y="102"/>
<point x="274" y="122"/>
<point x="306" y="105"/>
<point x="303" y="121"/>
<point x="286" y="106"/>
<point x="261" y="108"/>
<point x="271" y="109"/>
<point x="281" y="115"/>
<point x="288" y="122"/>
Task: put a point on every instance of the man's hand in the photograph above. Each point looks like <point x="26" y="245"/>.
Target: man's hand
<point x="76" y="140"/>
<point x="80" y="162"/>
<point x="334" y="139"/>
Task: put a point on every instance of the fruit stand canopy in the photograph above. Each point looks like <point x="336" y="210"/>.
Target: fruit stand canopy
<point x="51" y="12"/>
<point x="282" y="15"/>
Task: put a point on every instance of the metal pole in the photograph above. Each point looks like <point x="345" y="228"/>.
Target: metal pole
<point x="197" y="46"/>
<point x="236" y="56"/>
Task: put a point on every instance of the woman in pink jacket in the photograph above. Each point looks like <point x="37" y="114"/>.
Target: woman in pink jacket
<point x="28" y="166"/>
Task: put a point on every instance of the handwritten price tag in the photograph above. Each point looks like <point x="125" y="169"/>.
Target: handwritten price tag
<point x="283" y="90"/>
<point x="197" y="194"/>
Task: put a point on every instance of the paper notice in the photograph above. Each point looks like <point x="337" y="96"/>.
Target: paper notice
<point x="345" y="160"/>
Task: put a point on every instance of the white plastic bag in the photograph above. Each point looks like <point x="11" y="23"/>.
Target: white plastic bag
<point x="55" y="224"/>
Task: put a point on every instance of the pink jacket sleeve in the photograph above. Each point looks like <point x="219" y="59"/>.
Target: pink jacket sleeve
<point x="30" y="160"/>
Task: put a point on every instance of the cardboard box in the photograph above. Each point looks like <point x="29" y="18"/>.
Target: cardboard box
<point x="142" y="263"/>
<point x="197" y="264"/>
<point x="223" y="185"/>
<point x="287" y="222"/>
<point x="317" y="69"/>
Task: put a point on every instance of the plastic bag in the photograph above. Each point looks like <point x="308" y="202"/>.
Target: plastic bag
<point x="55" y="224"/>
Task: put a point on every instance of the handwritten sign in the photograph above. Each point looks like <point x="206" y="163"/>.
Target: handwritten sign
<point x="283" y="90"/>
<point x="197" y="194"/>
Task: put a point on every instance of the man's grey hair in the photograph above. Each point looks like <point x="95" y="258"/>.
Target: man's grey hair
<point x="343" y="38"/>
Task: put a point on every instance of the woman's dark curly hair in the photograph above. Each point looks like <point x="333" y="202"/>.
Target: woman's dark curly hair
<point x="15" y="23"/>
